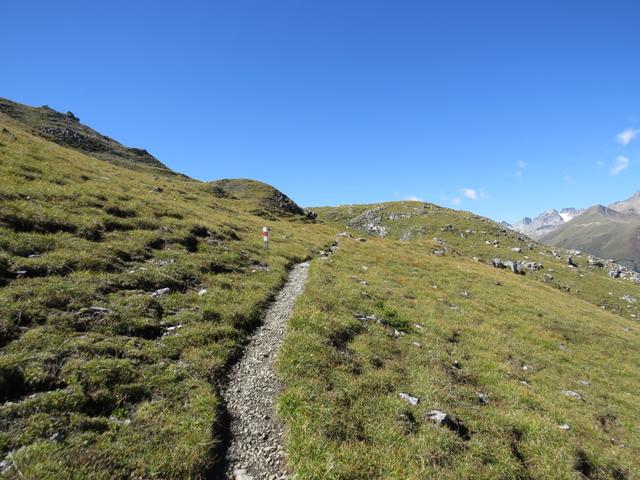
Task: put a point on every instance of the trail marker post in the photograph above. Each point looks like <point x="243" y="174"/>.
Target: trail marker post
<point x="265" y="237"/>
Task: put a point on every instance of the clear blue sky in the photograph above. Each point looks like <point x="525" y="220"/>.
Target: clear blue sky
<point x="337" y="101"/>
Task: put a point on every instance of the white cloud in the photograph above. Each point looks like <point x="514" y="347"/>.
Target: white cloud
<point x="622" y="163"/>
<point x="473" y="194"/>
<point x="456" y="200"/>
<point x="520" y="165"/>
<point x="626" y="136"/>
<point x="413" y="198"/>
<point x="470" y="193"/>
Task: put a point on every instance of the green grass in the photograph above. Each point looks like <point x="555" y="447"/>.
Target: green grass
<point x="121" y="393"/>
<point x="466" y="234"/>
<point x="484" y="331"/>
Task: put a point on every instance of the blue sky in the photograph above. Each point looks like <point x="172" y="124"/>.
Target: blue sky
<point x="500" y="107"/>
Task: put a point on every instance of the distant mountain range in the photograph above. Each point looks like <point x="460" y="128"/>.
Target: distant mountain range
<point x="608" y="232"/>
<point x="546" y="222"/>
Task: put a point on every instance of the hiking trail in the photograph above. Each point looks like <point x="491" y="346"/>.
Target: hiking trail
<point x="256" y="443"/>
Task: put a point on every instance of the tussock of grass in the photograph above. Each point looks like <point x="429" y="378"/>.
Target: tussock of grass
<point x="98" y="377"/>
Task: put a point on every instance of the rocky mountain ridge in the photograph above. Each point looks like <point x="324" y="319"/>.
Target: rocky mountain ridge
<point x="65" y="129"/>
<point x="545" y="222"/>
<point x="611" y="232"/>
<point x="631" y="204"/>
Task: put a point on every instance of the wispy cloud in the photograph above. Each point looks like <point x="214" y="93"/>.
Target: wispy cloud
<point x="627" y="136"/>
<point x="413" y="198"/>
<point x="473" y="194"/>
<point x="470" y="193"/>
<point x="569" y="179"/>
<point x="456" y="200"/>
<point x="520" y="166"/>
<point x="622" y="163"/>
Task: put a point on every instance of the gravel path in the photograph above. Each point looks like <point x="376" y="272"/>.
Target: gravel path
<point x="256" y="448"/>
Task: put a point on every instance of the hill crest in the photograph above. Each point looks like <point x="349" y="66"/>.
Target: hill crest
<point x="66" y="129"/>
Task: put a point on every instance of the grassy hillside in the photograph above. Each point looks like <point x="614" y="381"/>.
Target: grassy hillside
<point x="538" y="379"/>
<point x="66" y="129"/>
<point x="124" y="294"/>
<point x="465" y="234"/>
<point x="271" y="201"/>
<point x="603" y="232"/>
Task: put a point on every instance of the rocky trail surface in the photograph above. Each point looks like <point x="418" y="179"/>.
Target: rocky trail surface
<point x="256" y="446"/>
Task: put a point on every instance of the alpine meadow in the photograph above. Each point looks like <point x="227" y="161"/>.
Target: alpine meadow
<point x="428" y="342"/>
<point x="285" y="240"/>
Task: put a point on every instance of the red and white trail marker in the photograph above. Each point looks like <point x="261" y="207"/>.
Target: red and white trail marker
<point x="265" y="236"/>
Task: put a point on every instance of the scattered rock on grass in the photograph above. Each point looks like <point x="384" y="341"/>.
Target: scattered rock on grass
<point x="452" y="423"/>
<point x="532" y="266"/>
<point x="572" y="394"/>
<point x="371" y="318"/>
<point x="498" y="263"/>
<point x="409" y="398"/>
<point x="596" y="262"/>
<point x="160" y="292"/>
<point x="514" y="266"/>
